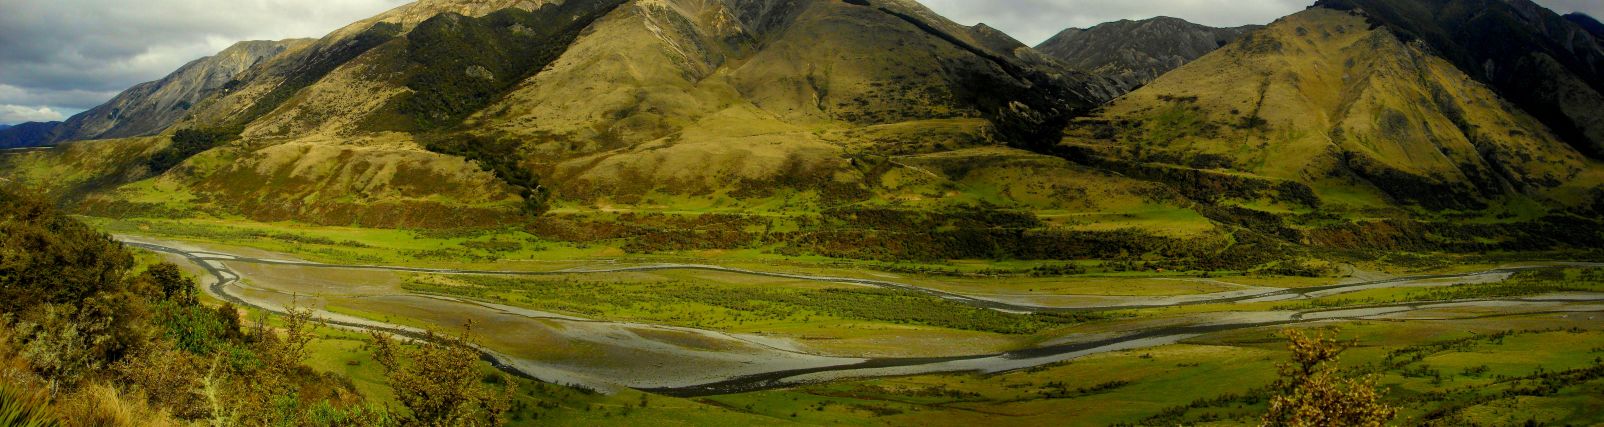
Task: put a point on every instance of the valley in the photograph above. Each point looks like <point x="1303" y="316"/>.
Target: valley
<point x="824" y="212"/>
<point x="776" y="352"/>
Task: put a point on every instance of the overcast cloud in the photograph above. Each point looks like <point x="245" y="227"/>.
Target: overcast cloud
<point x="60" y="57"/>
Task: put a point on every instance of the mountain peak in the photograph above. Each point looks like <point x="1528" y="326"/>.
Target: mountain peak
<point x="1547" y="64"/>
<point x="1324" y="98"/>
<point x="1134" y="53"/>
<point x="1587" y="22"/>
<point x="152" y="107"/>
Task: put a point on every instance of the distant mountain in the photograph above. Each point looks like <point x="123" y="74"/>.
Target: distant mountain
<point x="1134" y="53"/>
<point x="594" y="100"/>
<point x="149" y="108"/>
<point x="1363" y="118"/>
<point x="869" y="128"/>
<point x="4" y="126"/>
<point x="1587" y="22"/>
<point x="30" y="134"/>
<point x="1546" y="64"/>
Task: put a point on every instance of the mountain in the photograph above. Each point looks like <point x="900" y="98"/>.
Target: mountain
<point x="871" y="129"/>
<point x="1546" y="64"/>
<point x="596" y="102"/>
<point x="1588" y="23"/>
<point x="149" y="108"/>
<point x="30" y="134"/>
<point x="1364" y="117"/>
<point x="1133" y="53"/>
<point x="4" y="126"/>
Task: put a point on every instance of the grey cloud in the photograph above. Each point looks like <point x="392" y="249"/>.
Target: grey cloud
<point x="19" y="113"/>
<point x="1594" y="8"/>
<point x="70" y="55"/>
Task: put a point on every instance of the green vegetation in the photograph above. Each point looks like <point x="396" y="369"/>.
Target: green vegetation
<point x="867" y="139"/>
<point x="19" y="408"/>
<point x="437" y="381"/>
<point x="491" y="156"/>
<point x="739" y="307"/>
<point x="1470" y="372"/>
<point x="187" y="143"/>
<point x="464" y="63"/>
<point x="1521" y="284"/>
<point x="111" y="347"/>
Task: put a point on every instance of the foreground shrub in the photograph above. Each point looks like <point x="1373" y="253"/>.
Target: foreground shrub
<point x="1311" y="393"/>
<point x="437" y="380"/>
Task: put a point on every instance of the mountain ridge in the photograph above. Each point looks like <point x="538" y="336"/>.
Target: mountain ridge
<point x="29" y="134"/>
<point x="864" y="129"/>
<point x="1337" y="103"/>
<point x="1546" y="64"/>
<point x="1587" y="22"/>
<point x="1133" y="53"/>
<point x="776" y="68"/>
<point x="152" y="107"/>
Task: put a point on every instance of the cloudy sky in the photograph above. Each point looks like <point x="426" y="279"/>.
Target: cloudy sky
<point x="60" y="57"/>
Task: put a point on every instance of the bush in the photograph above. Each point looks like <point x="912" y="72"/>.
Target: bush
<point x="48" y="258"/>
<point x="1312" y="393"/>
<point x="438" y="381"/>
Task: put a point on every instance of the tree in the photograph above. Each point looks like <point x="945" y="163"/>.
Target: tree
<point x="438" y="381"/>
<point x="187" y="143"/>
<point x="169" y="281"/>
<point x="49" y="258"/>
<point x="1312" y="393"/>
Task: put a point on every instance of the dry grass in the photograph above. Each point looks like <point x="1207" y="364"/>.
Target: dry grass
<point x="102" y="405"/>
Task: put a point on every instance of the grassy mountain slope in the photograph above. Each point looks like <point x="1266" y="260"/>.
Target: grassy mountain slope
<point x="1133" y="53"/>
<point x="646" y="91"/>
<point x="312" y="183"/>
<point x="820" y="125"/>
<point x="863" y="129"/>
<point x="656" y="87"/>
<point x="1366" y="119"/>
<point x="1544" y="63"/>
<point x="1326" y="130"/>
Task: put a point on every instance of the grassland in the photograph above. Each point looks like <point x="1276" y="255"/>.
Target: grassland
<point x="1159" y="386"/>
<point x="522" y="249"/>
<point x="734" y="305"/>
<point x="348" y="353"/>
<point x="1441" y="373"/>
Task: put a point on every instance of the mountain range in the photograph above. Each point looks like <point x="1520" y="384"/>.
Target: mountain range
<point x="878" y="122"/>
<point x="1133" y="53"/>
<point x="30" y="134"/>
<point x="1588" y="23"/>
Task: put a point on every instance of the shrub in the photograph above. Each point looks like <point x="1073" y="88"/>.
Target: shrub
<point x="438" y="381"/>
<point x="1312" y="393"/>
